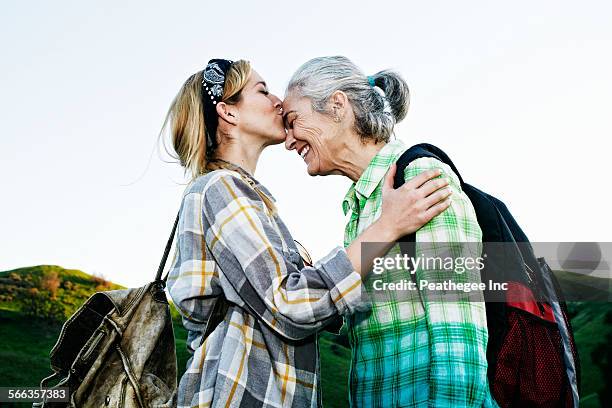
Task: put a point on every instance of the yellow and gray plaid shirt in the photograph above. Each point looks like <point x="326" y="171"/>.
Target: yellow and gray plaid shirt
<point x="264" y="353"/>
<point x="414" y="348"/>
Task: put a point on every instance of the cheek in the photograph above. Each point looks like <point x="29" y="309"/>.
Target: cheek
<point x="257" y="109"/>
<point x="322" y="144"/>
<point x="307" y="131"/>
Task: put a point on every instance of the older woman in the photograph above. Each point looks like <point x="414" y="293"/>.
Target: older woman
<point x="405" y="351"/>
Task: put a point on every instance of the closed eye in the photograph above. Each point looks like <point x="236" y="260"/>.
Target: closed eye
<point x="289" y="122"/>
<point x="264" y="89"/>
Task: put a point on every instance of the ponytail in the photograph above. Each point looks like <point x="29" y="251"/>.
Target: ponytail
<point x="396" y="92"/>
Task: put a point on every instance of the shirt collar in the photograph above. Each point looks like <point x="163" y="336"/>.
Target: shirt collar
<point x="349" y="200"/>
<point x="249" y="178"/>
<point x="373" y="174"/>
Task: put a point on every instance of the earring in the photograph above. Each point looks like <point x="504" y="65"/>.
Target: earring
<point x="337" y="117"/>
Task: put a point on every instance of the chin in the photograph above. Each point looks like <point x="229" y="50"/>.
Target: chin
<point x="278" y="138"/>
<point x="313" y="171"/>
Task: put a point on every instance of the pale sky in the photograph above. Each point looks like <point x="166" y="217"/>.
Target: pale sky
<point x="518" y="93"/>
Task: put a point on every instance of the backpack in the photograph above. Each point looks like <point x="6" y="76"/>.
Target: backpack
<point x="117" y="349"/>
<point x="531" y="353"/>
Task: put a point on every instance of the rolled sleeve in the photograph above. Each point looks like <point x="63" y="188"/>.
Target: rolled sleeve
<point x="346" y="286"/>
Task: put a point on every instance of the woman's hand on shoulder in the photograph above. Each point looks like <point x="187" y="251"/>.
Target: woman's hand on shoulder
<point x="415" y="203"/>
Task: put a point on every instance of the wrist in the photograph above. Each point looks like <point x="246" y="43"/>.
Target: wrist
<point x="385" y="230"/>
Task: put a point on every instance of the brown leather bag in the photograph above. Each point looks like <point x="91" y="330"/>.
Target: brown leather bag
<point x="117" y="350"/>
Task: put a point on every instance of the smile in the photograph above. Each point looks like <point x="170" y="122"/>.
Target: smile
<point x="304" y="151"/>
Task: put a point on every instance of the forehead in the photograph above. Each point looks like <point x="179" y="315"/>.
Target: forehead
<point x="294" y="102"/>
<point x="254" y="78"/>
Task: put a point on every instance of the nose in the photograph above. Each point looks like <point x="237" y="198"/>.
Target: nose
<point x="278" y="104"/>
<point x="290" y="141"/>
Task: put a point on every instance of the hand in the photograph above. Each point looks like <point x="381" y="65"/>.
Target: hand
<point x="415" y="203"/>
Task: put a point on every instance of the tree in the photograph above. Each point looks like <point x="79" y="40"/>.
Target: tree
<point x="51" y="282"/>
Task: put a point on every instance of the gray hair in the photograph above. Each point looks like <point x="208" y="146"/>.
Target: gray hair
<point x="375" y="114"/>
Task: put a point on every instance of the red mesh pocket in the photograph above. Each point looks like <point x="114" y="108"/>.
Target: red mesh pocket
<point x="530" y="371"/>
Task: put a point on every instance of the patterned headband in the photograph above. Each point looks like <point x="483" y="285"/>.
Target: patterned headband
<point x="213" y="83"/>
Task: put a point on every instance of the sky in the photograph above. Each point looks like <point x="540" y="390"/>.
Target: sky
<point x="517" y="93"/>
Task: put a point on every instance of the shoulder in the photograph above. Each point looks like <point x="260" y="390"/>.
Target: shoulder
<point x="224" y="190"/>
<point x="210" y="180"/>
<point x="459" y="222"/>
<point x="428" y="163"/>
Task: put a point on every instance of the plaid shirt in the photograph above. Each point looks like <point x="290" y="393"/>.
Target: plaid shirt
<point x="265" y="352"/>
<point x="407" y="351"/>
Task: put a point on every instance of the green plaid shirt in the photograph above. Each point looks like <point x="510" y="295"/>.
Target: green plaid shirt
<point x="412" y="349"/>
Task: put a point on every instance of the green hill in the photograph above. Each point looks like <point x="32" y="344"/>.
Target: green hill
<point x="26" y="289"/>
<point x="73" y="275"/>
<point x="54" y="293"/>
<point x="26" y="339"/>
<point x="582" y="287"/>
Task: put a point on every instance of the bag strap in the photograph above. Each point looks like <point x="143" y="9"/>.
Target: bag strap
<point x="162" y="264"/>
<point x="221" y="304"/>
<point x="216" y="316"/>
<point x="407" y="242"/>
<point x="418" y="151"/>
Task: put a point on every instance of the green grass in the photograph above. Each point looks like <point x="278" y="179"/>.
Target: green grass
<point x="334" y="372"/>
<point x="589" y="331"/>
<point x="25" y="349"/>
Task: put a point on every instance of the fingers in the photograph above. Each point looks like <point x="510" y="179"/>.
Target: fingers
<point x="422" y="178"/>
<point x="436" y="210"/>
<point x="432" y="186"/>
<point x="389" y="177"/>
<point x="434" y="198"/>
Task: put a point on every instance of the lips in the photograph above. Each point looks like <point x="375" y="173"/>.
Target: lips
<point x="304" y="151"/>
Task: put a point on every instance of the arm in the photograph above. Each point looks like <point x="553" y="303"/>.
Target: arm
<point x="247" y="246"/>
<point x="457" y="328"/>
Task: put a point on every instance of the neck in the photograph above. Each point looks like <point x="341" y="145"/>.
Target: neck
<point x="356" y="156"/>
<point x="241" y="154"/>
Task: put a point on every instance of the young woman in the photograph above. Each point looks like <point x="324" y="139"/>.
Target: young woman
<point x="233" y="245"/>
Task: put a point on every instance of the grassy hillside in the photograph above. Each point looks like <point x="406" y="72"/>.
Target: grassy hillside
<point x="25" y="340"/>
<point x="582" y="287"/>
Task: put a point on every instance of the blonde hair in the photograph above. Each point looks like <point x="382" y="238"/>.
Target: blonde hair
<point x="185" y="117"/>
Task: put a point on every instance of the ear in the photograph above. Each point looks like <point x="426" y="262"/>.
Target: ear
<point x="228" y="113"/>
<point x="338" y="102"/>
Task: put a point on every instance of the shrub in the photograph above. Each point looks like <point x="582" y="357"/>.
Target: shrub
<point x="51" y="282"/>
<point x="101" y="282"/>
<point x="39" y="304"/>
